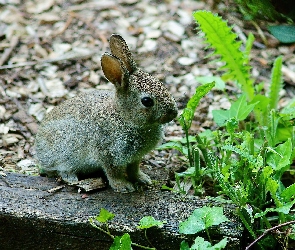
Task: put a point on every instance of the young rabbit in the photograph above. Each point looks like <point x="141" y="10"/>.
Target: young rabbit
<point x="107" y="130"/>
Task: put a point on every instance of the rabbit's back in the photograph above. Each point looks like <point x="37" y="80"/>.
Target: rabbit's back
<point x="86" y="133"/>
<point x="107" y="130"/>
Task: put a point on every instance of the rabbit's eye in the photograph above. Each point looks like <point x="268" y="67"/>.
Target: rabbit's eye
<point x="147" y="102"/>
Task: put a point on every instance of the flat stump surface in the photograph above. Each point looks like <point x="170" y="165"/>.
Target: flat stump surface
<point x="33" y="218"/>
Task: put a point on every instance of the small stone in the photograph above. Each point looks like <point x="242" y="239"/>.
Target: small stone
<point x="185" y="17"/>
<point x="3" y="129"/>
<point x="186" y="61"/>
<point x="37" y="110"/>
<point x="175" y="28"/>
<point x="94" y="78"/>
<point x="2" y="112"/>
<point x="153" y="34"/>
<point x="148" y="45"/>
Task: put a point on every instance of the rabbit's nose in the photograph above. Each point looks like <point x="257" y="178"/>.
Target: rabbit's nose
<point x="169" y="116"/>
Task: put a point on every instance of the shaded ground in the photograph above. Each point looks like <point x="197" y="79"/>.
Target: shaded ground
<point x="50" y="51"/>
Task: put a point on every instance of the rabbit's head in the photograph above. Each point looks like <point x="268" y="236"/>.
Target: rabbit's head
<point x="140" y="97"/>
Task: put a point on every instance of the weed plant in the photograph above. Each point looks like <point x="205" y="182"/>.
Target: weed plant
<point x="253" y="147"/>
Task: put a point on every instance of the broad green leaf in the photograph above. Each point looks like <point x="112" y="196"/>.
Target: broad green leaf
<point x="149" y="221"/>
<point x="201" y="244"/>
<point x="263" y="103"/>
<point x="239" y="110"/>
<point x="281" y="156"/>
<point x="283" y="133"/>
<point x="284" y="33"/>
<point x="285" y="209"/>
<point x="104" y="216"/>
<point x="122" y="243"/>
<point x="201" y="219"/>
<point x="288" y="112"/>
<point x="175" y="145"/>
<point x="220" y="116"/>
<point x="288" y="193"/>
<point x="188" y="172"/>
<point x="184" y="246"/>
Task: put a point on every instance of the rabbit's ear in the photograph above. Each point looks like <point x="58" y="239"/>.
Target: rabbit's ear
<point x="114" y="70"/>
<point x="120" y="49"/>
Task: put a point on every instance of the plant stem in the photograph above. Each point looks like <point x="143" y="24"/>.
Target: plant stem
<point x="207" y="231"/>
<point x="113" y="237"/>
<point x="145" y="231"/>
<point x="143" y="247"/>
<point x="102" y="230"/>
<point x="246" y="224"/>
<point x="188" y="144"/>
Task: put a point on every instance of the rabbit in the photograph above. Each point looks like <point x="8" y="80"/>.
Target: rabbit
<point x="107" y="130"/>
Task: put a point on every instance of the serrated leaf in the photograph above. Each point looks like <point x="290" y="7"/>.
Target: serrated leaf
<point x="248" y="47"/>
<point x="266" y="173"/>
<point x="201" y="91"/>
<point x="220" y="37"/>
<point x="284" y="33"/>
<point x="149" y="221"/>
<point x="187" y="115"/>
<point x="201" y="219"/>
<point x="104" y="216"/>
<point x="219" y="83"/>
<point x="276" y="83"/>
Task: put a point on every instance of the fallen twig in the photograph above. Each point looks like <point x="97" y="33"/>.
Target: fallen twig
<point x="269" y="230"/>
<point x="63" y="58"/>
<point x="7" y="52"/>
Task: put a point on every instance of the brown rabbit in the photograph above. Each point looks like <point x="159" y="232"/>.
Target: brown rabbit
<point x="108" y="130"/>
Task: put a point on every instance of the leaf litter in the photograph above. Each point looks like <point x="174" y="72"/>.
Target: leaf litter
<point x="50" y="51"/>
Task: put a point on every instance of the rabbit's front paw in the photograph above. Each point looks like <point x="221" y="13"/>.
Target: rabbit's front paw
<point x="121" y="186"/>
<point x="144" y="178"/>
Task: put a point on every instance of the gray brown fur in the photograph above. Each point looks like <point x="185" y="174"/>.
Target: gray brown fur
<point x="107" y="130"/>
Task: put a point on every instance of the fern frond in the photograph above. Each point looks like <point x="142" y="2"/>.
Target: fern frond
<point x="276" y="83"/>
<point x="221" y="38"/>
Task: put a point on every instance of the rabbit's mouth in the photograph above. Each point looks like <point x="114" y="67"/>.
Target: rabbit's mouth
<point x="169" y="116"/>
